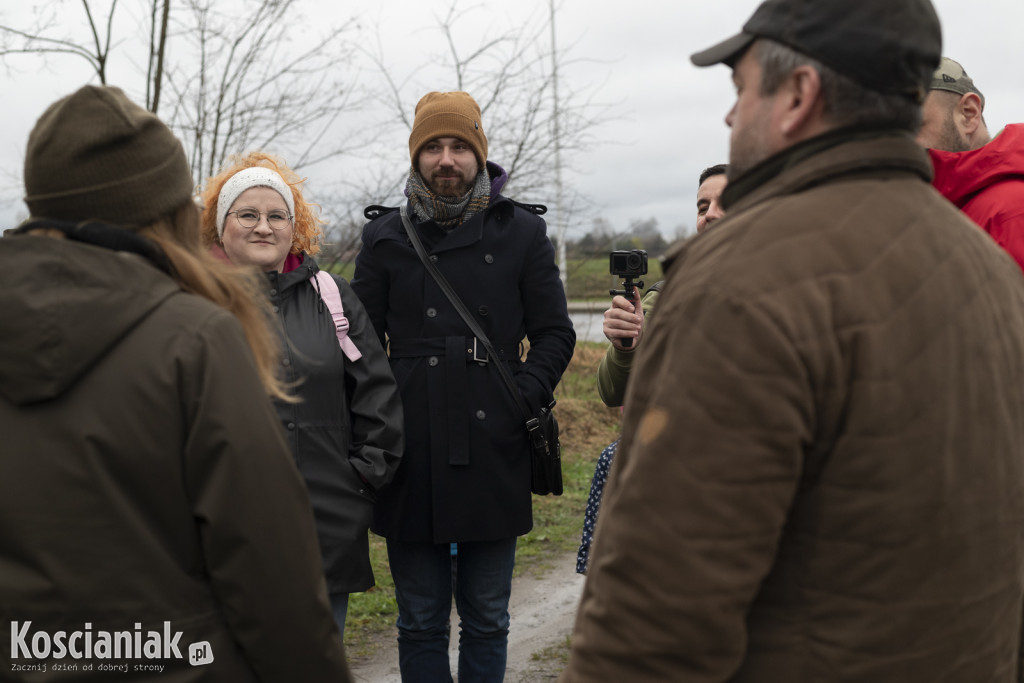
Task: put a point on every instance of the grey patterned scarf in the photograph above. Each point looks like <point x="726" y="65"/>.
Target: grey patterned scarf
<point x="448" y="212"/>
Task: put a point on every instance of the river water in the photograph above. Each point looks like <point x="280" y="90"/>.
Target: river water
<point x="588" y="325"/>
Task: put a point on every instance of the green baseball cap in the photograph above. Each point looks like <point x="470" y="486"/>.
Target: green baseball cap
<point x="950" y="76"/>
<point x="890" y="46"/>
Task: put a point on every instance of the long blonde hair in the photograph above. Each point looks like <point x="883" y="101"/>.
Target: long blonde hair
<point x="197" y="271"/>
<point x="238" y="290"/>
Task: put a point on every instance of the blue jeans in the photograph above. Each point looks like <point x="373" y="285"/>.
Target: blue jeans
<point x="423" y="588"/>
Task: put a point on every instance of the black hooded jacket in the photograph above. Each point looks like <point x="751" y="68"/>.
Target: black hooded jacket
<point x="346" y="430"/>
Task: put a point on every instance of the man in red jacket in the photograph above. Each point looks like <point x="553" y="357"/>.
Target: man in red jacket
<point x="983" y="176"/>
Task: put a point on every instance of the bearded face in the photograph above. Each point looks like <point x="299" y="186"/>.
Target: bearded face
<point x="448" y="166"/>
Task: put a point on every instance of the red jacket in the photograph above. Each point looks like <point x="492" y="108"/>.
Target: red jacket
<point x="987" y="184"/>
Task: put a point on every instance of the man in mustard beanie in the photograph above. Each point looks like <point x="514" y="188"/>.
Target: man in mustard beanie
<point x="448" y="114"/>
<point x="465" y="475"/>
<point x="448" y="181"/>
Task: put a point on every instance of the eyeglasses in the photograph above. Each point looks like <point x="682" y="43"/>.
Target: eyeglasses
<point x="250" y="218"/>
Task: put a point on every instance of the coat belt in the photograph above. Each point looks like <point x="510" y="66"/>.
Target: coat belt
<point x="431" y="346"/>
<point x="454" y="412"/>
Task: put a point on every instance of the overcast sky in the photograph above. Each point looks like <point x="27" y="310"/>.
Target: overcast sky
<point x="669" y="121"/>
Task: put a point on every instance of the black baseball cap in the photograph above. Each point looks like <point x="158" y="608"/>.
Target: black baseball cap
<point x="890" y="46"/>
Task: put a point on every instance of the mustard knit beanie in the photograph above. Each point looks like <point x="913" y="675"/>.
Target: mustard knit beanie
<point x="448" y="114"/>
<point x="97" y="155"/>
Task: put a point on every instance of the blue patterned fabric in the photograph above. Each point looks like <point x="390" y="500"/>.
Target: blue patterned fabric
<point x="604" y="465"/>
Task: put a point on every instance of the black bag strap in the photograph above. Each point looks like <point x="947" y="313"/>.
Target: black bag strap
<point x="532" y="423"/>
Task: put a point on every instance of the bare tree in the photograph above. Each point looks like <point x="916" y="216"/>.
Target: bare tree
<point x="230" y="76"/>
<point x="234" y="76"/>
<point x="157" y="50"/>
<point x="55" y="32"/>
<point x="249" y="90"/>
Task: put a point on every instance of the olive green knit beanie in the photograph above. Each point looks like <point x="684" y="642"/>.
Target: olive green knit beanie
<point x="448" y="115"/>
<point x="97" y="155"/>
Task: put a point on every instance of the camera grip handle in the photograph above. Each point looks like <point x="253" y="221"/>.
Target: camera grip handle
<point x="627" y="293"/>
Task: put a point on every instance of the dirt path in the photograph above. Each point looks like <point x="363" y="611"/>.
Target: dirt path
<point x="543" y="609"/>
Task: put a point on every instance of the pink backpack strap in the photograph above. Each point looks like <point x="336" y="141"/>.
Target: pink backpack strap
<point x="332" y="297"/>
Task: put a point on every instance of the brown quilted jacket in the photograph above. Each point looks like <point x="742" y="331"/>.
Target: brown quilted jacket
<point x="820" y="476"/>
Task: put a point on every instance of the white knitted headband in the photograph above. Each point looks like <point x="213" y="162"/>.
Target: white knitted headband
<point x="254" y="176"/>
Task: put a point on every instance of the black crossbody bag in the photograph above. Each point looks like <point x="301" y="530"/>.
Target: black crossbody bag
<point x="545" y="451"/>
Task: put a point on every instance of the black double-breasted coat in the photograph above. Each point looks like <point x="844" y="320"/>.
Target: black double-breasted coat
<point x="465" y="475"/>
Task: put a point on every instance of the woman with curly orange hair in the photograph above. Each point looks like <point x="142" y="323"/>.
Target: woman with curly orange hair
<point x="346" y="429"/>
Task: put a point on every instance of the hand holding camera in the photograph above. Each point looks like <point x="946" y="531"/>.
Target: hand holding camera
<point x="628" y="265"/>
<point x="623" y="322"/>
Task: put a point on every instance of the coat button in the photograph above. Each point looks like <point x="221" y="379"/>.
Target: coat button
<point x="432" y="361"/>
<point x="488" y="258"/>
<point x="286" y="362"/>
<point x="431" y="312"/>
<point x="433" y="258"/>
<point x="480" y="414"/>
<point x="291" y="425"/>
<point x="483" y="310"/>
<point x="273" y="292"/>
<point x="277" y="309"/>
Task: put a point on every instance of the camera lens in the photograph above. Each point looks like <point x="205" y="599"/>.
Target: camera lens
<point x="633" y="262"/>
